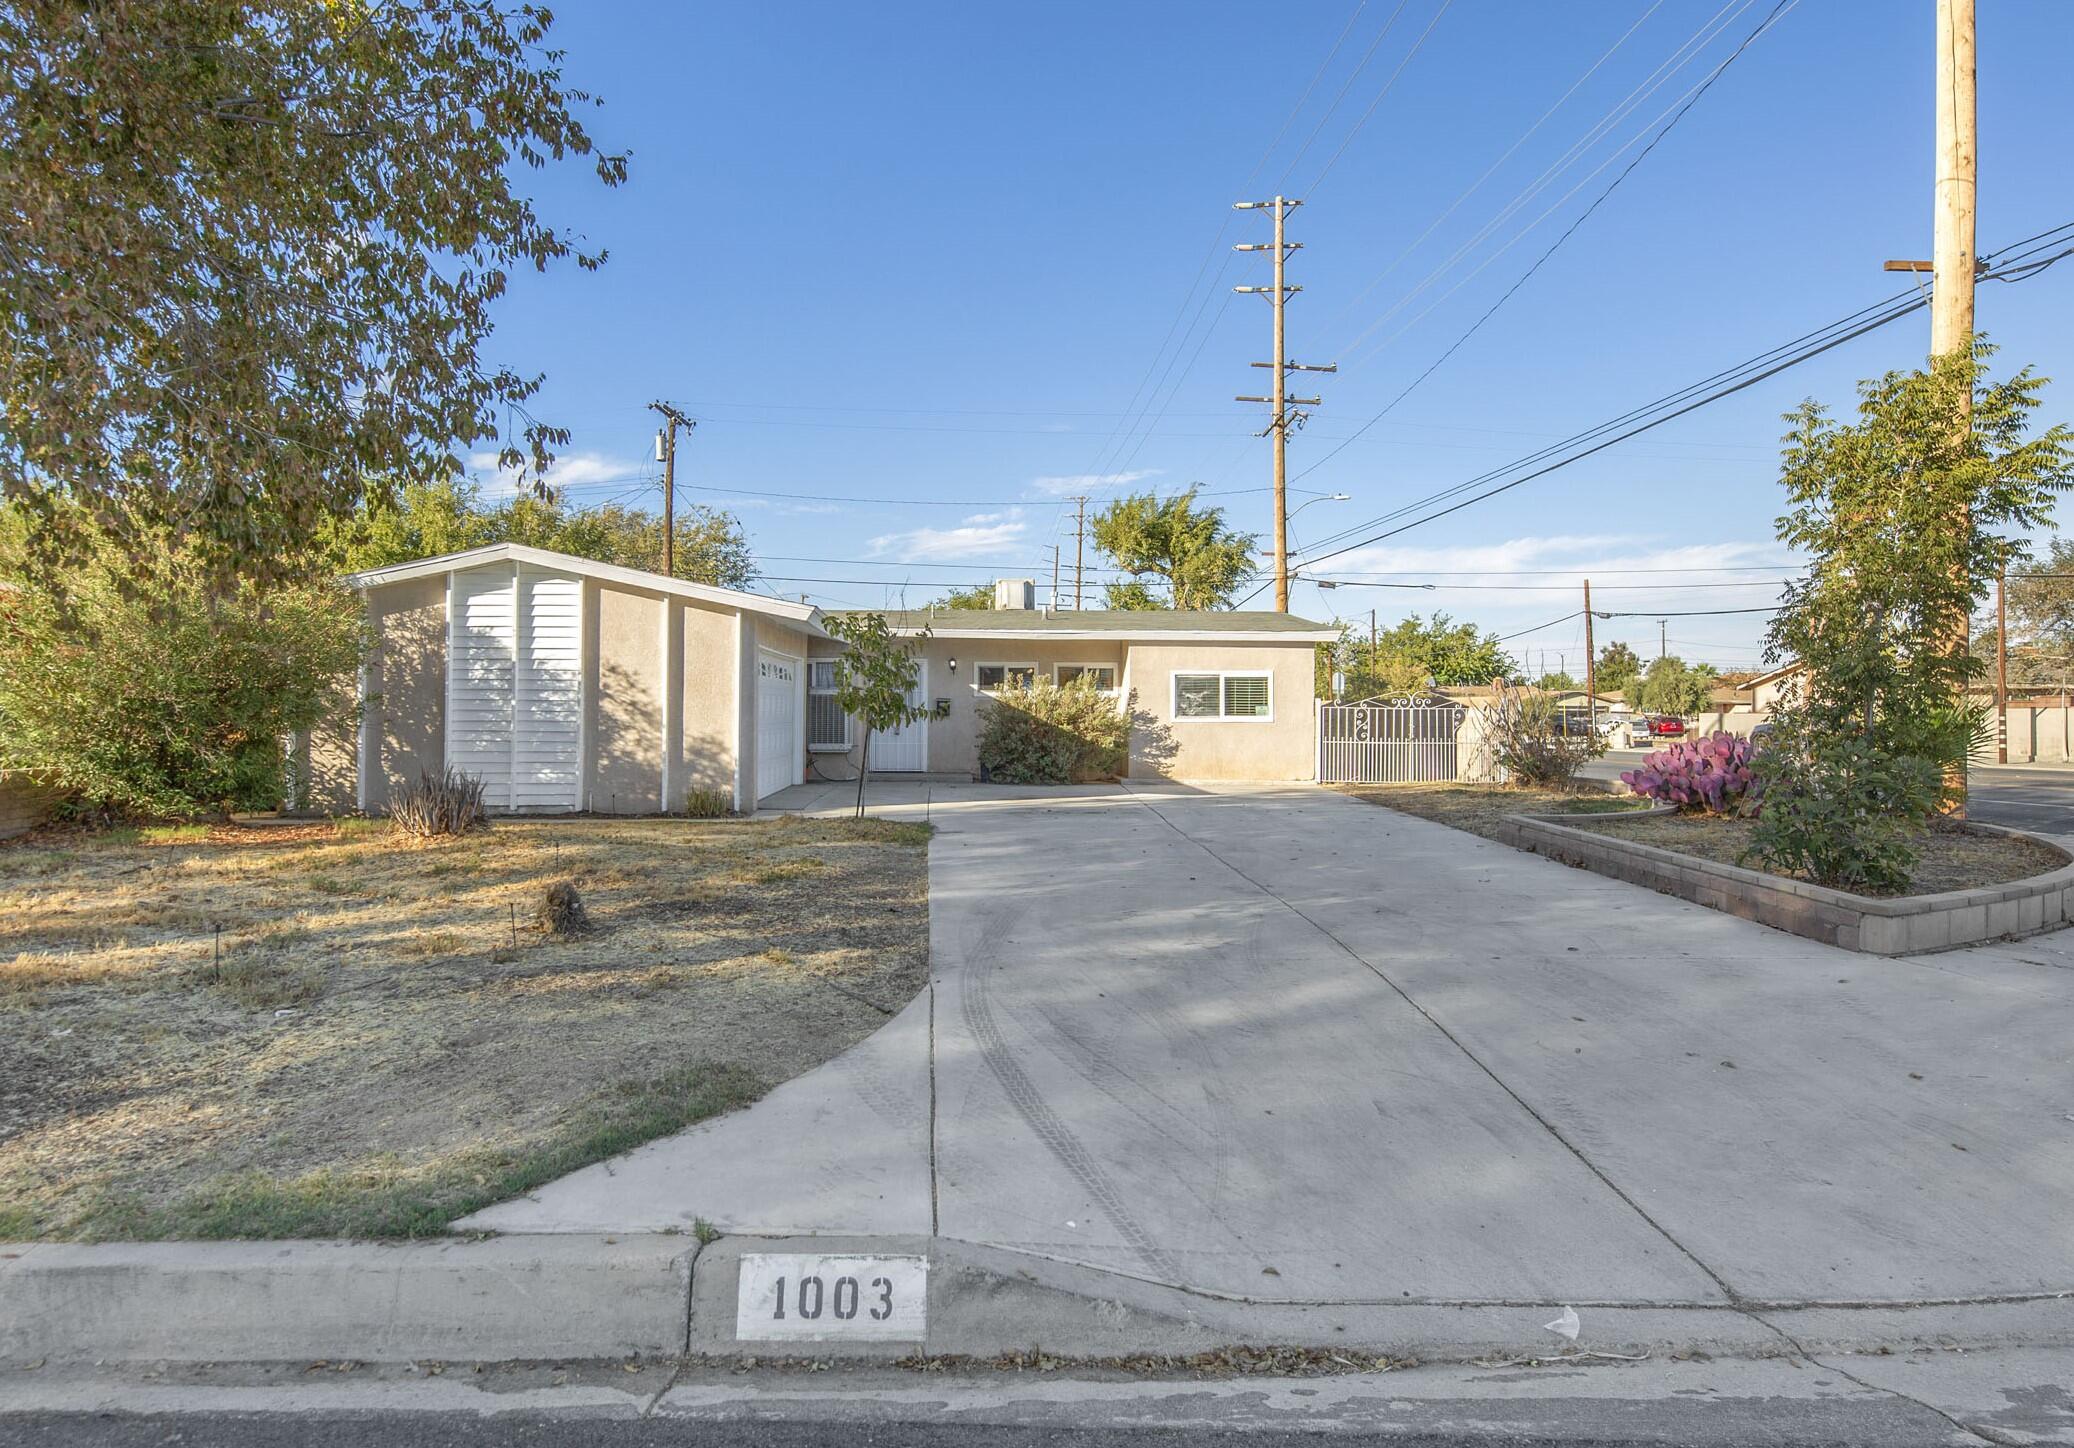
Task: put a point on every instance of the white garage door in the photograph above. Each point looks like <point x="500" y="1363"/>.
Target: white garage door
<point x="778" y="747"/>
<point x="515" y="685"/>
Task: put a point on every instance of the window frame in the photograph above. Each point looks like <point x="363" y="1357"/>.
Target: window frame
<point x="807" y="719"/>
<point x="1115" y="674"/>
<point x="1222" y="676"/>
<point x="1004" y="665"/>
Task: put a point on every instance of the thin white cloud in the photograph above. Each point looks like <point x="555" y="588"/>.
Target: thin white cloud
<point x="1075" y="483"/>
<point x="975" y="536"/>
<point x="589" y="471"/>
<point x="1580" y="555"/>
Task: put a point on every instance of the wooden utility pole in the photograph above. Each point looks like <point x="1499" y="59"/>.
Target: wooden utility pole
<point x="1958" y="156"/>
<point x="1079" y="550"/>
<point x="1278" y="400"/>
<point x="1591" y="664"/>
<point x="666" y="454"/>
<point x="2002" y="666"/>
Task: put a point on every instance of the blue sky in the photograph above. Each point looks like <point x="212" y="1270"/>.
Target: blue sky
<point x="972" y="258"/>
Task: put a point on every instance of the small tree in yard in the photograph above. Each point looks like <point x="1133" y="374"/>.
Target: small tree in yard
<point x="1905" y="516"/>
<point x="873" y="677"/>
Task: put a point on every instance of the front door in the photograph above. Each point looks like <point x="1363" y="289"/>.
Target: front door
<point x="905" y="750"/>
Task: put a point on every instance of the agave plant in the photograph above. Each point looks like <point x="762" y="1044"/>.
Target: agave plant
<point x="1711" y="774"/>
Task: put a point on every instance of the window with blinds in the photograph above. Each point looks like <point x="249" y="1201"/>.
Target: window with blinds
<point x="1222" y="696"/>
<point x="828" y="727"/>
<point x="1245" y="696"/>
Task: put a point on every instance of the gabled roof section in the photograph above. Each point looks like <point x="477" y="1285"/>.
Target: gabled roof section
<point x="1179" y="625"/>
<point x="805" y="615"/>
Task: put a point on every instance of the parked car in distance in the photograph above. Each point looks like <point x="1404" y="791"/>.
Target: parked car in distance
<point x="1636" y="731"/>
<point x="1667" y="726"/>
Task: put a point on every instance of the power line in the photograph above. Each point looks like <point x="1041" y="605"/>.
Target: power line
<point x="1768" y="364"/>
<point x="1690" y="101"/>
<point x="942" y="502"/>
<point x="1388" y="86"/>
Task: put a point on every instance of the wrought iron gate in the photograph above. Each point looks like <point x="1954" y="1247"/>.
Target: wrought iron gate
<point x="1389" y="741"/>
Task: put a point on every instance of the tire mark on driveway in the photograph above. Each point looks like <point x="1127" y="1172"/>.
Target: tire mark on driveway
<point x="1029" y="1103"/>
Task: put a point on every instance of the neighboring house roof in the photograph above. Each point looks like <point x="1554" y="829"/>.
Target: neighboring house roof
<point x="1730" y="694"/>
<point x="805" y="615"/>
<point x="1792" y="666"/>
<point x="1181" y="625"/>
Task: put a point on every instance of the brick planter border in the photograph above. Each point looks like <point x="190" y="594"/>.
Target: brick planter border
<point x="1907" y="925"/>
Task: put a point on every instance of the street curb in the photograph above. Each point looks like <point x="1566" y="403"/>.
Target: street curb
<point x="512" y="1299"/>
<point x="985" y="1301"/>
<point x="493" y="1300"/>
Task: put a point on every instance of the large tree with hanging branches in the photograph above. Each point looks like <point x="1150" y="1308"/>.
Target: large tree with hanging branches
<point x="250" y="251"/>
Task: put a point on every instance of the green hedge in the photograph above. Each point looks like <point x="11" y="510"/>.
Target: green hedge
<point x="1047" y="733"/>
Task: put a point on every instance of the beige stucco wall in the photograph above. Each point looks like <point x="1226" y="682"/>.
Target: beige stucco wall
<point x="623" y="699"/>
<point x="953" y="746"/>
<point x="705" y="741"/>
<point x="1285" y="746"/>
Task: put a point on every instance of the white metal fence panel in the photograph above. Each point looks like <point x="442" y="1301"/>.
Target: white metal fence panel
<point x="1398" y="742"/>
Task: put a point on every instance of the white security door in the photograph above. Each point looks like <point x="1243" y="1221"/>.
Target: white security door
<point x="905" y="750"/>
<point x="778" y="746"/>
<point x="547" y="711"/>
<point x="482" y="628"/>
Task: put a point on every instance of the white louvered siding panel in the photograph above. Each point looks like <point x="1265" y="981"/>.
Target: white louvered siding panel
<point x="480" y="648"/>
<point x="547" y="715"/>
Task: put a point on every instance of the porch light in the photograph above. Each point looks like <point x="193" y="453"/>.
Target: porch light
<point x="954" y="663"/>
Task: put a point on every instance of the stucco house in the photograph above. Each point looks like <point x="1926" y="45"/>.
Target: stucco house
<point x="1212" y="694"/>
<point x="568" y="685"/>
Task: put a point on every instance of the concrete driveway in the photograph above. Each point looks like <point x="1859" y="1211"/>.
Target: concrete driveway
<point x="1279" y="1045"/>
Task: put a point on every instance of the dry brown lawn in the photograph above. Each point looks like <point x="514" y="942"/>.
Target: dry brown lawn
<point x="331" y="1029"/>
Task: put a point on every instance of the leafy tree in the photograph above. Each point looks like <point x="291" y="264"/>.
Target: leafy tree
<point x="1441" y="650"/>
<point x="1557" y="682"/>
<point x="2041" y="614"/>
<point x="1178" y="555"/>
<point x="429" y="519"/>
<point x="874" y="674"/>
<point x="1905" y="515"/>
<point x="250" y="251"/>
<point x="1618" y="669"/>
<point x="152" y="690"/>
<point x="1672" y="686"/>
<point x="978" y="598"/>
<point x="1880" y="616"/>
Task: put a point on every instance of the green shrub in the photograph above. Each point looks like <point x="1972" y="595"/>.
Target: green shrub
<point x="162" y="696"/>
<point x="1837" y="808"/>
<point x="1047" y="733"/>
<point x="1527" y="734"/>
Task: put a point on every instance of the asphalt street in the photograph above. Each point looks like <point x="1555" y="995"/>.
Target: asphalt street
<point x="2041" y="800"/>
<point x="1881" y="1427"/>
